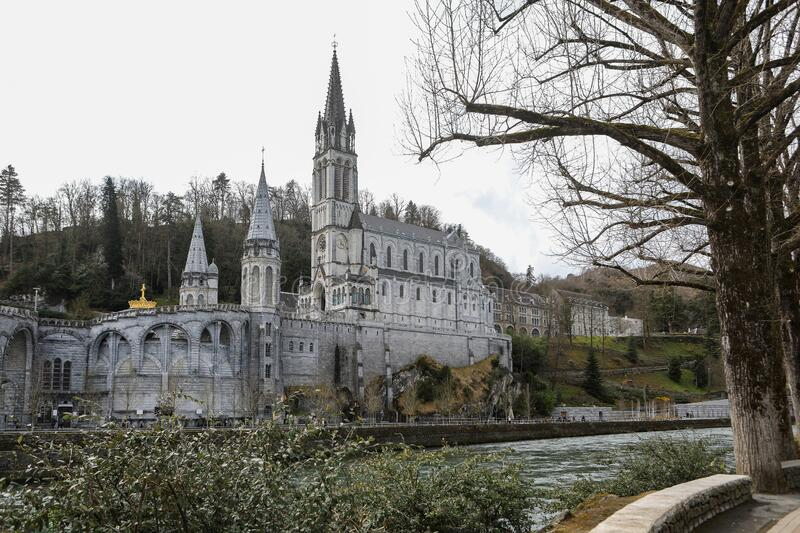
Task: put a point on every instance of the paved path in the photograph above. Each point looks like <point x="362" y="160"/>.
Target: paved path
<point x="756" y="516"/>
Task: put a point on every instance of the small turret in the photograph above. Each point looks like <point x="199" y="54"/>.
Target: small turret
<point x="199" y="281"/>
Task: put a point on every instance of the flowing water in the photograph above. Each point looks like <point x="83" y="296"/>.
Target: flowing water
<point x="554" y="461"/>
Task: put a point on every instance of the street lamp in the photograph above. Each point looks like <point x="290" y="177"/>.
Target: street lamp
<point x="36" y="298"/>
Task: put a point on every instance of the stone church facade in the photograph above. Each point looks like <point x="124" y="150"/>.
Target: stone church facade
<point x="381" y="294"/>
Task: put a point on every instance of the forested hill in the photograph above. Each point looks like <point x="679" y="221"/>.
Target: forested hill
<point x="92" y="245"/>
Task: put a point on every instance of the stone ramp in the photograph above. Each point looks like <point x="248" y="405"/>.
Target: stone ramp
<point x="788" y="524"/>
<point x="755" y="516"/>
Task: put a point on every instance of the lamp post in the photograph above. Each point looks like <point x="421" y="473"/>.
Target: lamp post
<point x="36" y="299"/>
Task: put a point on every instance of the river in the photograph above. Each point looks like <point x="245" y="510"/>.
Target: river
<point x="553" y="461"/>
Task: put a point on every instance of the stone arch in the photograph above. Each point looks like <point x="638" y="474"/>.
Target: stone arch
<point x="497" y="328"/>
<point x="373" y="254"/>
<point x="189" y="299"/>
<point x="201" y="299"/>
<point x="166" y="342"/>
<point x="510" y="330"/>
<point x="523" y="331"/>
<point x="17" y="359"/>
<point x="535" y="332"/>
<point x="319" y="296"/>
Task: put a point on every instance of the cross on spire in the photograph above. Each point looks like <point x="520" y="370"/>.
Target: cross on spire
<point x="334" y="43"/>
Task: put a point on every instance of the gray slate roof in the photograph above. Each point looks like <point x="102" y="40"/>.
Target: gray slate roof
<point x="408" y="231"/>
<point x="197" y="260"/>
<point x="261" y="224"/>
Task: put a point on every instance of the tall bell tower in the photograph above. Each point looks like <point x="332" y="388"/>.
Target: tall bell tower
<point x="334" y="184"/>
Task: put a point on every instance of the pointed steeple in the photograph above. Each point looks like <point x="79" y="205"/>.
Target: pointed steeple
<point x="334" y="103"/>
<point x="197" y="260"/>
<point x="261" y="224"/>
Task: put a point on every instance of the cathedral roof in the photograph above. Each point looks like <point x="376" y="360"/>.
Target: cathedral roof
<point x="197" y="260"/>
<point x="388" y="226"/>
<point x="261" y="224"/>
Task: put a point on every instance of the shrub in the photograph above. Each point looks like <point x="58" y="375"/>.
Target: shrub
<point x="267" y="479"/>
<point x="544" y="401"/>
<point x="632" y="353"/>
<point x="651" y="464"/>
<point x="426" y="391"/>
<point x="674" y="369"/>
<point x="592" y="381"/>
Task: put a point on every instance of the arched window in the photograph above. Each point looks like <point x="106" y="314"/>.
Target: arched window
<point x="66" y="376"/>
<point x="268" y="350"/>
<point x="452" y="269"/>
<point x="405" y="259"/>
<point x="189" y="299"/>
<point x="472" y="269"/>
<point x="361" y="296"/>
<point x="255" y="286"/>
<point x="373" y="256"/>
<point x="434" y="295"/>
<point x="201" y="299"/>
<point x="310" y="346"/>
<point x="291" y="346"/>
<point x="353" y="296"/>
<point x="302" y="346"/>
<point x="268" y="371"/>
<point x="419" y="293"/>
<point x="436" y="266"/>
<point x="57" y="374"/>
<point x="383" y="289"/>
<point x="388" y="257"/>
<point x="337" y="186"/>
<point x="367" y="297"/>
<point x="449" y="298"/>
<point x="268" y="284"/>
<point x="421" y="263"/>
<point x="47" y="375"/>
<point x="402" y="291"/>
<point x="346" y="184"/>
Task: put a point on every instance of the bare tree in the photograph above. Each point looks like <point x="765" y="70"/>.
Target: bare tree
<point x="366" y="201"/>
<point x="663" y="129"/>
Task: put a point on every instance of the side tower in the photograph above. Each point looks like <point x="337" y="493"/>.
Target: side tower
<point x="261" y="274"/>
<point x="261" y="260"/>
<point x="335" y="250"/>
<point x="199" y="281"/>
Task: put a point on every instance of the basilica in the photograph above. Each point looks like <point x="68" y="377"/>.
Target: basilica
<point x="381" y="294"/>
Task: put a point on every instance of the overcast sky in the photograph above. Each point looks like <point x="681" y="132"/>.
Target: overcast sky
<point x="170" y="90"/>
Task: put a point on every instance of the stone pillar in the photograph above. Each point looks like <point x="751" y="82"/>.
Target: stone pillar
<point x="387" y="361"/>
<point x="165" y="349"/>
<point x="26" y="399"/>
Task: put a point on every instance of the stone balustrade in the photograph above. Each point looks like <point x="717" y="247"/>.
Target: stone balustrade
<point x="681" y="507"/>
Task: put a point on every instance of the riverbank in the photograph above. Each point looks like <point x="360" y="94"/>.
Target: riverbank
<point x="437" y="435"/>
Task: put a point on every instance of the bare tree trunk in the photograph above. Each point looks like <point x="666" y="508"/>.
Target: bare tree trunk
<point x="789" y="301"/>
<point x="754" y="376"/>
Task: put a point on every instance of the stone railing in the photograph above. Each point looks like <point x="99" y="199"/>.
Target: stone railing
<point x="166" y="309"/>
<point x="63" y="323"/>
<point x="18" y="312"/>
<point x="681" y="507"/>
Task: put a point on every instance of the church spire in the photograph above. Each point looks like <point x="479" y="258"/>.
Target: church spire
<point x="335" y="128"/>
<point x="261" y="224"/>
<point x="334" y="103"/>
<point x="197" y="260"/>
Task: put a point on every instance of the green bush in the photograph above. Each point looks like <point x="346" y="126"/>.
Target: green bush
<point x="674" y="369"/>
<point x="426" y="390"/>
<point x="544" y="401"/>
<point x="266" y="479"/>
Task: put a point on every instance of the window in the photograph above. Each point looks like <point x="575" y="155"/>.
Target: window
<point x="47" y="375"/>
<point x="291" y="346"/>
<point x="449" y="298"/>
<point x="57" y="374"/>
<point x="388" y="257"/>
<point x="268" y="328"/>
<point x="434" y="295"/>
<point x="472" y="270"/>
<point x="373" y="256"/>
<point x="383" y="289"/>
<point x="436" y="266"/>
<point x="268" y="350"/>
<point x="367" y="297"/>
<point x="301" y="346"/>
<point x="418" y="293"/>
<point x="401" y="291"/>
<point x="66" y="376"/>
<point x="310" y="346"/>
<point x="268" y="371"/>
<point x="452" y="269"/>
<point x="405" y="259"/>
<point x="421" y="263"/>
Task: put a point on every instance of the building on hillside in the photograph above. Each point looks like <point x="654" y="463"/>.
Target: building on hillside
<point x="382" y="293"/>
<point x="582" y="314"/>
<point x="522" y="312"/>
<point x="624" y="326"/>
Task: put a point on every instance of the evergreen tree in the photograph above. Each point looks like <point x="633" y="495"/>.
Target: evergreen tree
<point x="592" y="381"/>
<point x="412" y="214"/>
<point x="12" y="195"/>
<point x="674" y="369"/>
<point x="700" y="372"/>
<point x="112" y="236"/>
<point x="632" y="354"/>
<point x="222" y="188"/>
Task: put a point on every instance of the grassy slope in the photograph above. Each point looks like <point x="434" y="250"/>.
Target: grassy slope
<point x="611" y="352"/>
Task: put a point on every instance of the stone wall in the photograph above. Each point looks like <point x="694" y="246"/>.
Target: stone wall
<point x="681" y="507"/>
